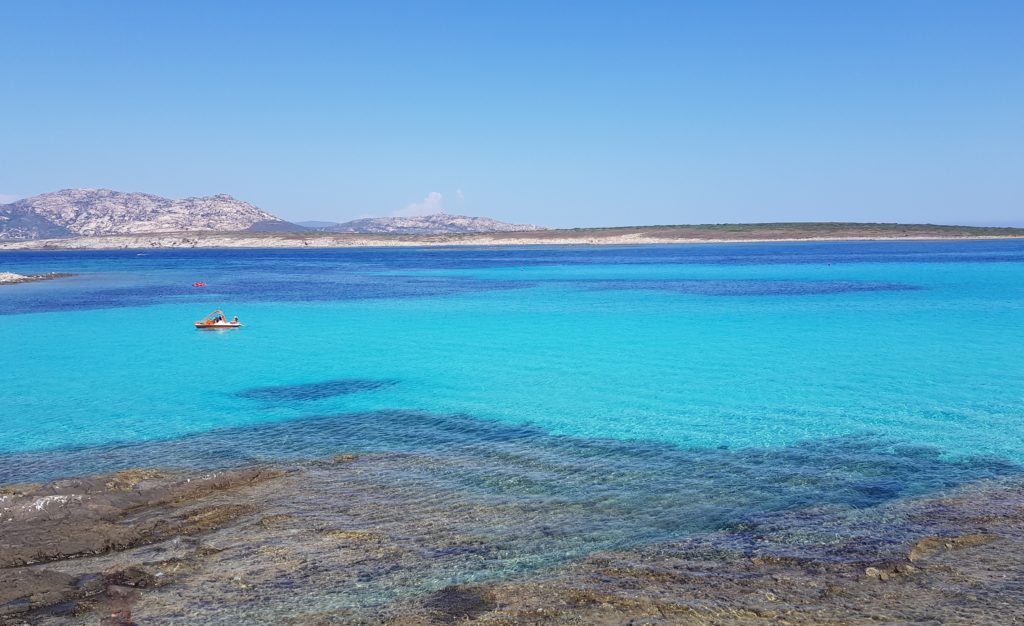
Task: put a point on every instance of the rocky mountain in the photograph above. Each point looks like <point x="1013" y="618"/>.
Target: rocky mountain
<point x="19" y="224"/>
<point x="73" y="212"/>
<point x="437" y="224"/>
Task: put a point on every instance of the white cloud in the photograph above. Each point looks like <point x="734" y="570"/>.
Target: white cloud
<point x="430" y="205"/>
<point x="459" y="195"/>
<point x="7" y="198"/>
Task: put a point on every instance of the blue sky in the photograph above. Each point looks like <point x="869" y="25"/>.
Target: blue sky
<point x="557" y="113"/>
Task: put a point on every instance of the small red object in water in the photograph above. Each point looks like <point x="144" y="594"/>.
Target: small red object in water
<point x="200" y="284"/>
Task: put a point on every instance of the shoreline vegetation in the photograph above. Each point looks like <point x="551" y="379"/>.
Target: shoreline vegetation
<point x="626" y="235"/>
<point x="109" y="544"/>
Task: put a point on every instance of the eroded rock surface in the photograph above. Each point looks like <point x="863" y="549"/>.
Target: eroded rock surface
<point x="340" y="541"/>
<point x="970" y="574"/>
<point x="71" y="519"/>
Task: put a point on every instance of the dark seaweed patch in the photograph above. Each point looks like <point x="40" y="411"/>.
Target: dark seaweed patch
<point x="457" y="603"/>
<point x="656" y="481"/>
<point x="314" y="391"/>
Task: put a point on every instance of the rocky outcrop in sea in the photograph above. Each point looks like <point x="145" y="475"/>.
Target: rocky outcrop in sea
<point x="10" y="278"/>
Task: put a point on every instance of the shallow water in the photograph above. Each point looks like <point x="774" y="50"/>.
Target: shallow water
<point x="744" y="345"/>
<point x="624" y="395"/>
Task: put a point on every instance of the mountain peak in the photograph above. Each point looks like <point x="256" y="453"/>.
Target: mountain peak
<point x="87" y="211"/>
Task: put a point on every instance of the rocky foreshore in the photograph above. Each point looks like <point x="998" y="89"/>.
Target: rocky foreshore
<point x="321" y="543"/>
<point x="10" y="278"/>
<point x="45" y="526"/>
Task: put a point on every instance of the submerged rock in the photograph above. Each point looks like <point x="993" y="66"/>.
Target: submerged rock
<point x="348" y="543"/>
<point x="930" y="545"/>
<point x="459" y="603"/>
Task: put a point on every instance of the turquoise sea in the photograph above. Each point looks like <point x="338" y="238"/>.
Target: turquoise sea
<point x="717" y="381"/>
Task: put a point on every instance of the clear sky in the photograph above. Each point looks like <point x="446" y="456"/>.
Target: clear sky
<point x="558" y="113"/>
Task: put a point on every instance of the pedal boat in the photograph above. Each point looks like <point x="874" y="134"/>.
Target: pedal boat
<point x="216" y="321"/>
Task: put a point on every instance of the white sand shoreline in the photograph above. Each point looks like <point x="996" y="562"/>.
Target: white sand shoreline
<point x="324" y="240"/>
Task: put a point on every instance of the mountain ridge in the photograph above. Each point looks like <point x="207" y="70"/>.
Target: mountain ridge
<point x="433" y="224"/>
<point x="89" y="211"/>
<point x="86" y="212"/>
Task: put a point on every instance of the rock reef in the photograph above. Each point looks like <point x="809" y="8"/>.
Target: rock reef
<point x="73" y="519"/>
<point x="327" y="543"/>
<point x="10" y="278"/>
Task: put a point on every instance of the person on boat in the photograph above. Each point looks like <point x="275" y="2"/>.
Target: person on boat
<point x="234" y="320"/>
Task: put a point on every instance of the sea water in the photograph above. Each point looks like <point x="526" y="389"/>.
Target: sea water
<point x="712" y="381"/>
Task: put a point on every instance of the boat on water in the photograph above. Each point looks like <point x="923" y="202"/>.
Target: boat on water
<point x="217" y="320"/>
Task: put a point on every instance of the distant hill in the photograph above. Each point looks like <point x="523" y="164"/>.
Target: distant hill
<point x="437" y="224"/>
<point x="72" y="212"/>
<point x="316" y="225"/>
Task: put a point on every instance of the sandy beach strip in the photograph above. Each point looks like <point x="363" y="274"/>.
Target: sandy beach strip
<point x="654" y="235"/>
